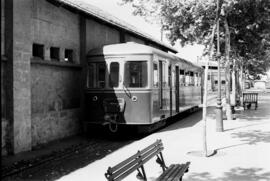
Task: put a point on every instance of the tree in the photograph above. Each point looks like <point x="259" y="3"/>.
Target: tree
<point x="190" y="21"/>
<point x="245" y="36"/>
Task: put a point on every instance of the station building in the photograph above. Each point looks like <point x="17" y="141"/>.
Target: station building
<point x="43" y="51"/>
<point x="212" y="78"/>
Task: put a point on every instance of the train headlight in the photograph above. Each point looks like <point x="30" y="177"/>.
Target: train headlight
<point x="134" y="98"/>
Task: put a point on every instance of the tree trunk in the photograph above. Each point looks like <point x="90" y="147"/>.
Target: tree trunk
<point x="228" y="73"/>
<point x="233" y="98"/>
<point x="206" y="92"/>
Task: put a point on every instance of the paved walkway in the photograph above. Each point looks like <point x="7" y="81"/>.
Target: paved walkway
<point x="243" y="149"/>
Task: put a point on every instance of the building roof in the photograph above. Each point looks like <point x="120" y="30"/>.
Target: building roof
<point x="108" y="18"/>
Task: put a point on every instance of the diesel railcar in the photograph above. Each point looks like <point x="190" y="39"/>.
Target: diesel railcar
<point x="135" y="84"/>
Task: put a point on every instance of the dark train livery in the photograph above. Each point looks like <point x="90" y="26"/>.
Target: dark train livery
<point x="134" y="84"/>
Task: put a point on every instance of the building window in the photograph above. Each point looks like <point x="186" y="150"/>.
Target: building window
<point x="68" y="55"/>
<point x="54" y="53"/>
<point x="38" y="50"/>
<point x="223" y="82"/>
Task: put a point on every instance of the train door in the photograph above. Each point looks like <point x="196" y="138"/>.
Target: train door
<point x="170" y="86"/>
<point x="177" y="89"/>
<point x="161" y="72"/>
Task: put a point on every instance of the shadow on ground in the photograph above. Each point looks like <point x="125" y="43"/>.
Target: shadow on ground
<point x="253" y="136"/>
<point x="234" y="174"/>
<point x="262" y="112"/>
<point x="188" y="120"/>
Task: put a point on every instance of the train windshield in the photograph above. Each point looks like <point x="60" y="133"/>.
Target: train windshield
<point x="135" y="74"/>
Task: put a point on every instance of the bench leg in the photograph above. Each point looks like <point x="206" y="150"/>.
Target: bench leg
<point x="141" y="176"/>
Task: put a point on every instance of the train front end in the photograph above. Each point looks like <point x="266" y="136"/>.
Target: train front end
<point x="117" y="91"/>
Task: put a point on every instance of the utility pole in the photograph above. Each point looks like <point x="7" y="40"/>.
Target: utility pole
<point x="219" y="113"/>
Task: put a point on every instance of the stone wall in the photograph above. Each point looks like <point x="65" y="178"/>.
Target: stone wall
<point x="55" y="102"/>
<point x="4" y="121"/>
<point x="131" y="38"/>
<point x="55" y="85"/>
<point x="98" y="34"/>
<point x="3" y="89"/>
<point x="55" y="27"/>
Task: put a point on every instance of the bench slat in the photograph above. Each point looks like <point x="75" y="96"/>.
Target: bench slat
<point x="125" y="171"/>
<point x="175" y="171"/>
<point x="158" y="143"/>
<point x="167" y="173"/>
<point x="133" y="165"/>
<point x="123" y="174"/>
<point x="183" y="169"/>
<point x="121" y="164"/>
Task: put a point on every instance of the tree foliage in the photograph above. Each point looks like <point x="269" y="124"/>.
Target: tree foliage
<point x="191" y="21"/>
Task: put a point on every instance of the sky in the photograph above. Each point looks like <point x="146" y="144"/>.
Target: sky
<point x="125" y="13"/>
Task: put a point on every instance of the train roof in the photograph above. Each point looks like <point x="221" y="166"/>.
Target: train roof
<point x="135" y="49"/>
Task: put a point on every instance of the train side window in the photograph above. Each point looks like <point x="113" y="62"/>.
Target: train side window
<point x="155" y="75"/>
<point x="96" y="75"/>
<point x="187" y="78"/>
<point x="136" y="74"/>
<point x="199" y="79"/>
<point x="196" y="79"/>
<point x="101" y="70"/>
<point x="191" y="78"/>
<point x="114" y="74"/>
<point x="182" y="77"/>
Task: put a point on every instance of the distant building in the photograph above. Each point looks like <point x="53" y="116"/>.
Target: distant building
<point x="212" y="77"/>
<point x="43" y="49"/>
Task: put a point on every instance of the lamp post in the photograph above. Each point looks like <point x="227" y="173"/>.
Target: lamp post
<point x="219" y="114"/>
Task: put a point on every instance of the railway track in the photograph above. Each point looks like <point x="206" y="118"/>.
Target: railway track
<point x="57" y="164"/>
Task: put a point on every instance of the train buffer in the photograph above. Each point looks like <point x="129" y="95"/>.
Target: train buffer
<point x="250" y="98"/>
<point x="137" y="161"/>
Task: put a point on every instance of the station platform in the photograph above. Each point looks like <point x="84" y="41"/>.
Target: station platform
<point x="242" y="149"/>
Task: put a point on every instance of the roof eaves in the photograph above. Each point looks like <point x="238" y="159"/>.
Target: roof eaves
<point x="94" y="11"/>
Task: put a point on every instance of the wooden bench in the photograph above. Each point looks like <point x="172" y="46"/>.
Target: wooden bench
<point x="250" y="98"/>
<point x="137" y="161"/>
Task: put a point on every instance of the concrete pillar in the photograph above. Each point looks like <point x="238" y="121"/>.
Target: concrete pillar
<point x="19" y="50"/>
<point x="83" y="62"/>
<point x="47" y="53"/>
